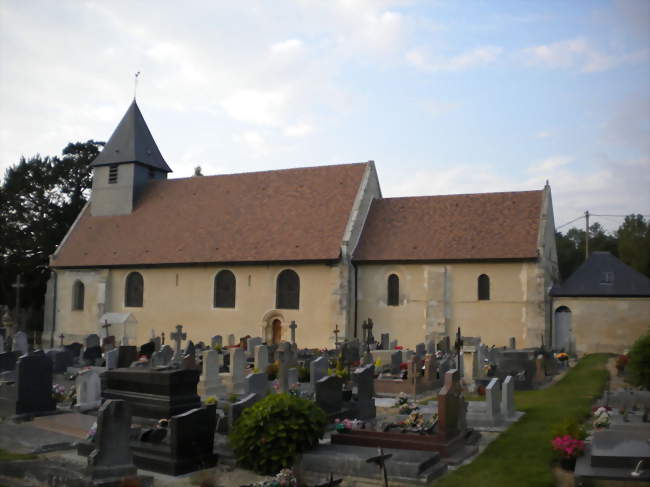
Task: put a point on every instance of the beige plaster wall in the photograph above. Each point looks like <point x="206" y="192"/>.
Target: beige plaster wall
<point x="437" y="298"/>
<point x="606" y="324"/>
<point x="184" y="295"/>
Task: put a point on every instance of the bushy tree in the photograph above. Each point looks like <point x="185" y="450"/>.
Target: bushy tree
<point x="638" y="368"/>
<point x="269" y="435"/>
<point x="634" y="243"/>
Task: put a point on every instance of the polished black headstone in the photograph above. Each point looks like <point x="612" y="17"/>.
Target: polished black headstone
<point x="34" y="384"/>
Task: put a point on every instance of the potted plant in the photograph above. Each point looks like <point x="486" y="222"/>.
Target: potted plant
<point x="568" y="449"/>
<point x="621" y="363"/>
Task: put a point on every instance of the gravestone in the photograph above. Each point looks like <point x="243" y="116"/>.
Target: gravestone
<point x="493" y="401"/>
<point x="2" y="344"/>
<point x="395" y="362"/>
<point x="237" y="370"/>
<point x="112" y="458"/>
<point x="261" y="358"/>
<point x="112" y="359"/>
<point x="216" y="341"/>
<point x="178" y="336"/>
<point x="420" y="350"/>
<point x="147" y="349"/>
<point x="318" y="370"/>
<point x="191" y="441"/>
<point x="257" y="384"/>
<point x="162" y="358"/>
<point x="231" y="340"/>
<point x="328" y="394"/>
<point x="451" y="407"/>
<point x="238" y="407"/>
<point x="61" y="360"/>
<point x="126" y="355"/>
<point x="8" y="360"/>
<point x="508" y="397"/>
<point x="157" y="343"/>
<point x="89" y="390"/>
<point x="91" y="355"/>
<point x="21" y="343"/>
<point x="34" y="384"/>
<point x="292" y="376"/>
<point x="188" y="362"/>
<point x="190" y="349"/>
<point x="210" y="383"/>
<point x="108" y="343"/>
<point x="385" y="341"/>
<point x="76" y="349"/>
<point x="393" y="344"/>
<point x="283" y="369"/>
<point x="251" y="343"/>
<point x="364" y="378"/>
<point x="512" y="343"/>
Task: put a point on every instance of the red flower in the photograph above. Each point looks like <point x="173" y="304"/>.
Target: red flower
<point x="403" y="366"/>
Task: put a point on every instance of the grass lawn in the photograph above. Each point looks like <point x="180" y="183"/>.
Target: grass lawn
<point x="7" y="455"/>
<point x="522" y="455"/>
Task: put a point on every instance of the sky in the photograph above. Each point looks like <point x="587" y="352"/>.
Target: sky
<point x="446" y="97"/>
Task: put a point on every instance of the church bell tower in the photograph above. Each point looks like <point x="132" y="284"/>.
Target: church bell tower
<point x="129" y="160"/>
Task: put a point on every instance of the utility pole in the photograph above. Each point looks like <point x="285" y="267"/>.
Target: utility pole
<point x="18" y="286"/>
<point x="586" y="234"/>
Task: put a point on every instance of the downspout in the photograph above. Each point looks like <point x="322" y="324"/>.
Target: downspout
<point x="54" y="302"/>
<point x="356" y="276"/>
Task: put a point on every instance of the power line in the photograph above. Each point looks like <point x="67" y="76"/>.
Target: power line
<point x="569" y="223"/>
<point x="597" y="214"/>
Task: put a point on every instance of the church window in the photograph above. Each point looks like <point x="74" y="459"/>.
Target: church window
<point x="287" y="290"/>
<point x="393" y="290"/>
<point x="483" y="287"/>
<point x="78" y="295"/>
<point x="224" y="289"/>
<point x="134" y="290"/>
<point x="112" y="174"/>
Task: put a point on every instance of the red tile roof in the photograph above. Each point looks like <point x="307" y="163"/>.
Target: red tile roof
<point x="285" y="215"/>
<point x="454" y="227"/>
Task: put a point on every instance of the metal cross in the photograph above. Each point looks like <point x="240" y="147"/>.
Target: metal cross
<point x="162" y="335"/>
<point x="293" y="327"/>
<point x="336" y="335"/>
<point x="61" y="337"/>
<point x="371" y="338"/>
<point x="380" y="460"/>
<point x="106" y="326"/>
<point x="18" y="286"/>
<point x="178" y="336"/>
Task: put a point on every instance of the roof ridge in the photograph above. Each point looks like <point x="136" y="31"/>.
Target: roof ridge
<point x="462" y="194"/>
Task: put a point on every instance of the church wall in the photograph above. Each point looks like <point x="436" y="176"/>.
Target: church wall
<point x="606" y="324"/>
<point x="438" y="298"/>
<point x="184" y="295"/>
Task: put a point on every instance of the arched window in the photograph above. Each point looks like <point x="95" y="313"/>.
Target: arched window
<point x="287" y="292"/>
<point x="483" y="287"/>
<point x="224" y="289"/>
<point x="78" y="295"/>
<point x="133" y="290"/>
<point x="393" y="290"/>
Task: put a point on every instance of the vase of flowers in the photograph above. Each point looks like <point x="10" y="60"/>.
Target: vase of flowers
<point x="601" y="418"/>
<point x="568" y="449"/>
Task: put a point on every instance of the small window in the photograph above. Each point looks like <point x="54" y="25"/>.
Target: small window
<point x="287" y="290"/>
<point x="224" y="289"/>
<point x="78" y="295"/>
<point x="483" y="287"/>
<point x="133" y="291"/>
<point x="112" y="174"/>
<point x="393" y="290"/>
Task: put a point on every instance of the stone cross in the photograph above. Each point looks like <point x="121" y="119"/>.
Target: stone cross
<point x="18" y="286"/>
<point x="293" y="327"/>
<point x="178" y="336"/>
<point x="106" y="326"/>
<point x="61" y="337"/>
<point x="458" y="346"/>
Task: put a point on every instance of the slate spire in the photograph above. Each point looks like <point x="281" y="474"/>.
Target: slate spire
<point x="132" y="142"/>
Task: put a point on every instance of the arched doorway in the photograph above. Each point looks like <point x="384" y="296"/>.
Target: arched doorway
<point x="277" y="330"/>
<point x="562" y="330"/>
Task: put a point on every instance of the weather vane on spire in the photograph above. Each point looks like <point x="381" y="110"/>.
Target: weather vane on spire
<point x="135" y="84"/>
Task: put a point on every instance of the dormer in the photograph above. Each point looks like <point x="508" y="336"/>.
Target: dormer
<point x="129" y="160"/>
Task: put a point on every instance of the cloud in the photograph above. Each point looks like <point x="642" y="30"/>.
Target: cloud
<point x="260" y="107"/>
<point x="254" y="142"/>
<point x="543" y="134"/>
<point x="551" y="163"/>
<point x="288" y="47"/>
<point x="477" y="57"/>
<point x="298" y="130"/>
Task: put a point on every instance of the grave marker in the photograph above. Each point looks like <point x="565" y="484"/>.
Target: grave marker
<point x="89" y="390"/>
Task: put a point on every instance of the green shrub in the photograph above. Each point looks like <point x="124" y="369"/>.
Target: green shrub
<point x="272" y="371"/>
<point x="303" y="374"/>
<point x="638" y="368"/>
<point x="569" y="427"/>
<point x="269" y="435"/>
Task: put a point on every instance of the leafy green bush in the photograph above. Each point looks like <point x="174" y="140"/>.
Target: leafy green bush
<point x="272" y="371"/>
<point x="638" y="368"/>
<point x="569" y="427"/>
<point x="269" y="435"/>
<point x="303" y="374"/>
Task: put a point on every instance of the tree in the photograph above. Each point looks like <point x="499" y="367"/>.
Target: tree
<point x="634" y="243"/>
<point x="41" y="197"/>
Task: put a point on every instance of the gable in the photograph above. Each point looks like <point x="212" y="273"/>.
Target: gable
<point x="489" y="226"/>
<point x="286" y="215"/>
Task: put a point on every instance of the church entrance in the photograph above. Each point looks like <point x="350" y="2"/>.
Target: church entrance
<point x="277" y="331"/>
<point x="562" y="329"/>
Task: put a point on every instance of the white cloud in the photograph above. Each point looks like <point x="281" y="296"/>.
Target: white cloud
<point x="254" y="141"/>
<point x="261" y="107"/>
<point x="473" y="58"/>
<point x="298" y="130"/>
<point x="288" y="47"/>
<point x="551" y="163"/>
<point x="543" y="134"/>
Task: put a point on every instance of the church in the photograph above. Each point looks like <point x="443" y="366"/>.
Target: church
<point x="247" y="254"/>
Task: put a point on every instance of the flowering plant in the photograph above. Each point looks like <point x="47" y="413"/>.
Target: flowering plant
<point x="294" y="389"/>
<point x="402" y="398"/>
<point x="399" y="347"/>
<point x="58" y="392"/>
<point x="92" y="432"/>
<point x="210" y="400"/>
<point x="621" y="362"/>
<point x="562" y="356"/>
<point x="417" y="420"/>
<point x="568" y="447"/>
<point x="348" y="424"/>
<point x="285" y="478"/>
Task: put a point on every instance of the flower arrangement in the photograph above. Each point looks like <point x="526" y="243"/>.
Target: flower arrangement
<point x="568" y="447"/>
<point x="399" y="347"/>
<point x="210" y="400"/>
<point x="348" y="424"/>
<point x="90" y="436"/>
<point x="621" y="362"/>
<point x="562" y="356"/>
<point x="285" y="478"/>
<point x="418" y="421"/>
<point x="294" y="389"/>
<point x="403" y="366"/>
<point x="58" y="392"/>
<point x="601" y="417"/>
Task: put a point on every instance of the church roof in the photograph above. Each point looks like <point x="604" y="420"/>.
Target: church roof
<point x="285" y="215"/>
<point x="488" y="226"/>
<point x="132" y="142"/>
<point x="604" y="275"/>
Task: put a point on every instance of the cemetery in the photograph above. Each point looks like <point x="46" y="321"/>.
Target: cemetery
<point x="105" y="411"/>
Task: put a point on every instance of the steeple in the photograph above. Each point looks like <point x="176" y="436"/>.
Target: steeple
<point x="132" y="142"/>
